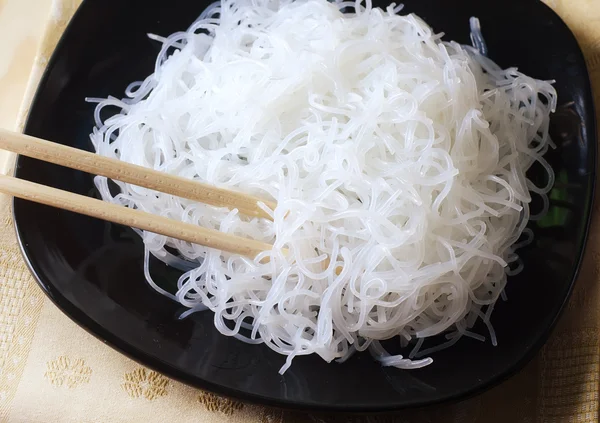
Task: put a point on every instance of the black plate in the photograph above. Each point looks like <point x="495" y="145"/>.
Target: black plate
<point x="93" y="270"/>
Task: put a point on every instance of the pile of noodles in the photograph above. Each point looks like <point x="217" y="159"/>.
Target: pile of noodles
<point x="397" y="162"/>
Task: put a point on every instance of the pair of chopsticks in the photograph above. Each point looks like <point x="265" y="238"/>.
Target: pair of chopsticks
<point x="137" y="175"/>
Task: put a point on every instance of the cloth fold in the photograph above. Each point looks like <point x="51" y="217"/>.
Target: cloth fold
<point x="52" y="370"/>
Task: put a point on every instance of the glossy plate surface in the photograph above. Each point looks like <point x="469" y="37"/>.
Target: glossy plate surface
<point x="92" y="270"/>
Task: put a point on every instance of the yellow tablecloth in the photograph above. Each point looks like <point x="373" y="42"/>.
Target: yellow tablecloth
<point x="51" y="370"/>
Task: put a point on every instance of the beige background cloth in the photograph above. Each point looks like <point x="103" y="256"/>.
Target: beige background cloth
<point x="52" y="370"/>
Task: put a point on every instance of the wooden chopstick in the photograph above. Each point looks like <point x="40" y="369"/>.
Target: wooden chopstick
<point x="133" y="174"/>
<point x="125" y="216"/>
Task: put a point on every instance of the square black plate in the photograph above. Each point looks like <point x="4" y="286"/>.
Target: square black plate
<point x="92" y="269"/>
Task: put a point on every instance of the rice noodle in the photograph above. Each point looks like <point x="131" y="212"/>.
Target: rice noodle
<point x="396" y="160"/>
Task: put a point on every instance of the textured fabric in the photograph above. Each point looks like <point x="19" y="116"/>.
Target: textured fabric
<point x="72" y="377"/>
